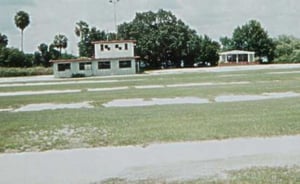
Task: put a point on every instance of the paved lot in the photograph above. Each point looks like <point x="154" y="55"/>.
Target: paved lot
<point x="178" y="161"/>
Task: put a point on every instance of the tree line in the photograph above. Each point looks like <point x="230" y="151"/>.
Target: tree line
<point x="13" y="57"/>
<point x="162" y="40"/>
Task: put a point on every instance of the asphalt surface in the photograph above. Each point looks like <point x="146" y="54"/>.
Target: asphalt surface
<point x="174" y="161"/>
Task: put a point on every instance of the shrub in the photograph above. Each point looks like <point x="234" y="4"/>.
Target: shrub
<point x="14" y="72"/>
<point x="77" y="75"/>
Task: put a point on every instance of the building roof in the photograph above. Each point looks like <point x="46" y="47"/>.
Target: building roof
<point x="113" y="41"/>
<point x="236" y="52"/>
<point x="71" y="60"/>
<point x="79" y="60"/>
<point x="118" y="58"/>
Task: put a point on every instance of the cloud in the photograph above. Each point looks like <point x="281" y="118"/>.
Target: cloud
<point x="17" y="2"/>
<point x="220" y="17"/>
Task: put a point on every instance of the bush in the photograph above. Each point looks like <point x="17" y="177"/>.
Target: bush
<point x="77" y="75"/>
<point x="15" y="72"/>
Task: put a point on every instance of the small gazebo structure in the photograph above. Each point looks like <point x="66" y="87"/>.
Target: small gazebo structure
<point x="237" y="56"/>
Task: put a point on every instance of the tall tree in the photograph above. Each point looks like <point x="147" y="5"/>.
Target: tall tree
<point x="251" y="37"/>
<point x="287" y="49"/>
<point x="12" y="57"/>
<point x="87" y="36"/>
<point x="22" y="20"/>
<point x="209" y="50"/>
<point x="227" y="43"/>
<point x="81" y="30"/>
<point x="45" y="54"/>
<point x="161" y="38"/>
<point x="3" y="40"/>
<point x="60" y="42"/>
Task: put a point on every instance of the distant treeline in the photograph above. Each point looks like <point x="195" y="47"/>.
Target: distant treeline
<point x="161" y="38"/>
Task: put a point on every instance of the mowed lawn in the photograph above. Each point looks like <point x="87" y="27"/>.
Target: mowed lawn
<point x="264" y="175"/>
<point x="115" y="126"/>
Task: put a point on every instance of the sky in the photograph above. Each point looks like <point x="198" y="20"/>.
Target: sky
<point x="215" y="18"/>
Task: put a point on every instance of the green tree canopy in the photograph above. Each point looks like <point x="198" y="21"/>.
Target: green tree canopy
<point x="251" y="37"/>
<point x="209" y="50"/>
<point x="227" y="43"/>
<point x="162" y="38"/>
<point x="87" y="36"/>
<point x="12" y="57"/>
<point x="3" y="40"/>
<point x="60" y="42"/>
<point x="81" y="29"/>
<point x="46" y="53"/>
<point x="43" y="56"/>
<point x="22" y="20"/>
<point x="287" y="49"/>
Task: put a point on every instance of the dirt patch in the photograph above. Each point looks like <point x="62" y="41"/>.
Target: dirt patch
<point x="191" y="85"/>
<point x="65" y="82"/>
<point x="52" y="106"/>
<point x="232" y="75"/>
<point x="68" y="136"/>
<point x="107" y="89"/>
<point x="287" y="72"/>
<point x="24" y="93"/>
<point x="264" y="96"/>
<point x="149" y="87"/>
<point x="207" y="84"/>
<point x="137" y="102"/>
<point x="6" y="110"/>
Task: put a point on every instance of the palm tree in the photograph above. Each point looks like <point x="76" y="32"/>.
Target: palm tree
<point x="60" y="42"/>
<point x="22" y="21"/>
<point x="81" y="29"/>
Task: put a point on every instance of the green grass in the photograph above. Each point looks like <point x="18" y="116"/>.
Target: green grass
<point x="281" y="175"/>
<point x="14" y="72"/>
<point x="126" y="126"/>
<point x="64" y="129"/>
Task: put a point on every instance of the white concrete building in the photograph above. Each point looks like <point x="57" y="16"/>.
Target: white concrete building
<point x="111" y="58"/>
<point x="237" y="56"/>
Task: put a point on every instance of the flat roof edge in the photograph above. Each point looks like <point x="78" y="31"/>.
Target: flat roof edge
<point x="113" y="41"/>
<point x="92" y="59"/>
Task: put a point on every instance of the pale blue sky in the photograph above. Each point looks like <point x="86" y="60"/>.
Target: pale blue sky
<point x="215" y="18"/>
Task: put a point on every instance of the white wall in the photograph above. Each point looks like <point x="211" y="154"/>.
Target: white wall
<point x="115" y="69"/>
<point x="116" y="50"/>
<point x="94" y="71"/>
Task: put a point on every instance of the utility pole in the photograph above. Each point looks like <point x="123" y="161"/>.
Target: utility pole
<point x="114" y="2"/>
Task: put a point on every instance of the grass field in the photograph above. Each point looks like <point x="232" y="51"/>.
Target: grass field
<point x="100" y="126"/>
<point x="265" y="175"/>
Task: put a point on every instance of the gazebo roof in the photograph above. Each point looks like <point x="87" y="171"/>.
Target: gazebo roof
<point x="236" y="52"/>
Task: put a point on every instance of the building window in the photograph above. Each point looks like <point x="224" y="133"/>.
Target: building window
<point x="104" y="65"/>
<point x="64" y="66"/>
<point x="126" y="46"/>
<point x="107" y="47"/>
<point x="117" y="46"/>
<point x="125" y="64"/>
<point x="85" y="66"/>
<point x="243" y="57"/>
<point x="101" y="47"/>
